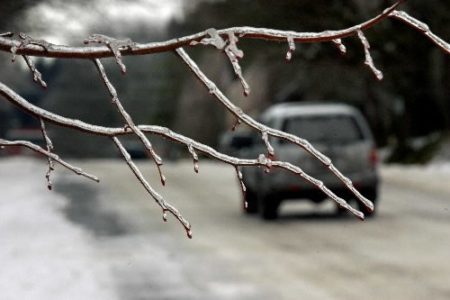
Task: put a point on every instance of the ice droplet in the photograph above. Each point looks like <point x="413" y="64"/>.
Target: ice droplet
<point x="291" y="49"/>
<point x="164" y="216"/>
<point x="340" y="45"/>
<point x="265" y="138"/>
<point x="194" y="157"/>
<point x="262" y="159"/>
<point x="236" y="124"/>
<point x="268" y="165"/>
<point x="245" y="204"/>
<point x="368" y="57"/>
<point x="189" y="233"/>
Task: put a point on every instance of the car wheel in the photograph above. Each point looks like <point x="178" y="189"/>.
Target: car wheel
<point x="268" y="207"/>
<point x="252" y="202"/>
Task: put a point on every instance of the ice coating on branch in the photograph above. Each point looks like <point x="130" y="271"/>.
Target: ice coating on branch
<point x="50" y="148"/>
<point x="236" y="124"/>
<point x="234" y="55"/>
<point x="412" y="21"/>
<point x="291" y="49"/>
<point x="194" y="157"/>
<point x="230" y="48"/>
<point x="241" y="182"/>
<point x="6" y="34"/>
<point x="27" y="40"/>
<point x="37" y="76"/>
<point x="369" y="60"/>
<point x="340" y="46"/>
<point x="421" y="26"/>
<point x="265" y="138"/>
<point x="115" y="45"/>
<point x="214" y="39"/>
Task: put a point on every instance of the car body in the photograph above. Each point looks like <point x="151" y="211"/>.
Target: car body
<point x="337" y="130"/>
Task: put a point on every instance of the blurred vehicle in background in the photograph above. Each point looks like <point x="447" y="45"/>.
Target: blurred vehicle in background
<point x="337" y="130"/>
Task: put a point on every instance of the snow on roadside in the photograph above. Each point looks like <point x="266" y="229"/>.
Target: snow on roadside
<point x="42" y="255"/>
<point x="434" y="177"/>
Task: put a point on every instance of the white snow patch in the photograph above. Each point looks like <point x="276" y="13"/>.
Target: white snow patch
<point x="42" y="255"/>
<point x="434" y="177"/>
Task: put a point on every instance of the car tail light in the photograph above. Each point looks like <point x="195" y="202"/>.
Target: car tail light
<point x="373" y="158"/>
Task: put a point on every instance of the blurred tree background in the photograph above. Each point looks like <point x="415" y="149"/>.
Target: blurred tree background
<point x="412" y="101"/>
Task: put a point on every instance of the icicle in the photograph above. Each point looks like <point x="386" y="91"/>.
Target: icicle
<point x="194" y="157"/>
<point x="189" y="233"/>
<point x="369" y="61"/>
<point x="163" y="178"/>
<point x="267" y="162"/>
<point x="236" y="124"/>
<point x="234" y="54"/>
<point x="50" y="148"/>
<point x="340" y="46"/>
<point x="270" y="150"/>
<point x="115" y="45"/>
<point x="27" y="40"/>
<point x="240" y="178"/>
<point x="214" y="39"/>
<point x="291" y="49"/>
<point x="37" y="76"/>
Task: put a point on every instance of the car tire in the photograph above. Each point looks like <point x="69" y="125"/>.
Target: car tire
<point x="252" y="202"/>
<point x="268" y="207"/>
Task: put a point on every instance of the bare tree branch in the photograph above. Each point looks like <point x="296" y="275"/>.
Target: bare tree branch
<point x="243" y="32"/>
<point x="129" y="121"/>
<point x="26" y="40"/>
<point x="166" y="207"/>
<point x="421" y="27"/>
<point x="165" y="132"/>
<point x="50" y="148"/>
<point x="224" y="40"/>
<point x="37" y="76"/>
<point x="265" y="131"/>
<point x="36" y="148"/>
<point x="369" y="60"/>
<point x="114" y="45"/>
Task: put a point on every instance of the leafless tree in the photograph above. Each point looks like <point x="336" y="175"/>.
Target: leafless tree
<point x="226" y="41"/>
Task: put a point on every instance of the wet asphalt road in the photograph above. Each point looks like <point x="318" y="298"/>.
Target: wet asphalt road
<point x="309" y="253"/>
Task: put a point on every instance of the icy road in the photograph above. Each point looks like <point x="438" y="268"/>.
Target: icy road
<point x="108" y="241"/>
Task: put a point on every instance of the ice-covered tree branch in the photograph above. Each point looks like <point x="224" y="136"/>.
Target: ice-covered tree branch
<point x="225" y="40"/>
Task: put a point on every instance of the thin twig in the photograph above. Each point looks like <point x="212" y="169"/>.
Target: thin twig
<point x="238" y="113"/>
<point x="54" y="157"/>
<point x="368" y="57"/>
<point x="37" y="76"/>
<point x="421" y="27"/>
<point x="129" y="121"/>
<point x="167" y="133"/>
<point x="166" y="207"/>
<point x="49" y="144"/>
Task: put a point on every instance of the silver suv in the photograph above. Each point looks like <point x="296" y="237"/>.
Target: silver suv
<point x="337" y="130"/>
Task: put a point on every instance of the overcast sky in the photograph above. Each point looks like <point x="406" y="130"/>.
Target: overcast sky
<point x="64" y="21"/>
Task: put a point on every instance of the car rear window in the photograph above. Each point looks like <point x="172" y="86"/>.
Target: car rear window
<point x="329" y="129"/>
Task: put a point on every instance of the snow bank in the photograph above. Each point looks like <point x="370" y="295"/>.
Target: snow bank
<point x="434" y="177"/>
<point x="42" y="255"/>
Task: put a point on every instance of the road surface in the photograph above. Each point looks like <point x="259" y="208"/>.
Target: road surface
<point x="308" y="253"/>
